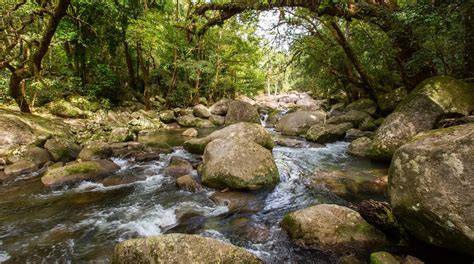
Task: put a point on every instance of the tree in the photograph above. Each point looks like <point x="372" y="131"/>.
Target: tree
<point x="23" y="51"/>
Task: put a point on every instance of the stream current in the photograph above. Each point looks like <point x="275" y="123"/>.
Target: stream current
<point x="84" y="223"/>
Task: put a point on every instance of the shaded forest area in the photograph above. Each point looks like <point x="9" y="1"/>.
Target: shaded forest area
<point x="186" y="51"/>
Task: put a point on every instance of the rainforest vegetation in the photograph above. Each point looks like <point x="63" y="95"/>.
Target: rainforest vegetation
<point x="115" y="50"/>
<point x="216" y="131"/>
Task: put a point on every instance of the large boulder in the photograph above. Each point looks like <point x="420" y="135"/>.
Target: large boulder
<point x="332" y="228"/>
<point x="201" y="111"/>
<point x="180" y="248"/>
<point x="326" y="133"/>
<point x="431" y="187"/>
<point x="249" y="131"/>
<point x="238" y="164"/>
<point x="18" y="128"/>
<point x="240" y="111"/>
<point x="62" y="149"/>
<point x="79" y="171"/>
<point x="420" y="111"/>
<point x="220" y="108"/>
<point x="299" y="122"/>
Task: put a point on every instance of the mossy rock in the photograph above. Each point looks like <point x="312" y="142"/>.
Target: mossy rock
<point x="95" y="150"/>
<point x="240" y="111"/>
<point x="63" y="108"/>
<point x="383" y="257"/>
<point x="419" y="112"/>
<point x="298" y="123"/>
<point x="62" y="149"/>
<point x="180" y="248"/>
<point x="18" y="128"/>
<point x="238" y="164"/>
<point x="332" y="228"/>
<point x="430" y="187"/>
<point x="74" y="173"/>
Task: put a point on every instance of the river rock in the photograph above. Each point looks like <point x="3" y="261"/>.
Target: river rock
<point x="291" y="142"/>
<point x="20" y="167"/>
<point x="167" y="116"/>
<point x="238" y="164"/>
<point x="365" y="104"/>
<point x="201" y="111"/>
<point x="146" y="156"/>
<point x="237" y="201"/>
<point x="348" y="186"/>
<point x="187" y="183"/>
<point x="333" y="228"/>
<point x="356" y="117"/>
<point x="95" y="150"/>
<point x="80" y="171"/>
<point x="354" y="133"/>
<point x="204" y="123"/>
<point x="217" y="120"/>
<point x="359" y="147"/>
<point x="431" y="187"/>
<point x="63" y="108"/>
<point x="298" y="123"/>
<point x="188" y="121"/>
<point x="420" y="111"/>
<point x="18" y="128"/>
<point x="180" y="248"/>
<point x="326" y="133"/>
<point x="190" y="132"/>
<point x="249" y="131"/>
<point x="240" y="111"/>
<point x="120" y="134"/>
<point x="30" y="152"/>
<point x="62" y="149"/>
<point x="220" y="108"/>
<point x="383" y="257"/>
<point x="178" y="166"/>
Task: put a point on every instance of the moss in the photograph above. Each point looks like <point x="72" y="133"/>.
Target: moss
<point x="382" y="257"/>
<point x="293" y="228"/>
<point x="83" y="167"/>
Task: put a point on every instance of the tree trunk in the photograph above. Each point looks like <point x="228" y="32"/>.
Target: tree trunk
<point x="131" y="72"/>
<point x="17" y="90"/>
<point x="372" y="85"/>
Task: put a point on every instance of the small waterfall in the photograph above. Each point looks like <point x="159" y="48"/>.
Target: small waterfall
<point x="263" y="119"/>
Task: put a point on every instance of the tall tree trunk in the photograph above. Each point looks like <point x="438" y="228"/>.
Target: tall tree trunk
<point x="18" y="75"/>
<point x="131" y="72"/>
<point x="17" y="91"/>
<point x="145" y="68"/>
<point x="372" y="85"/>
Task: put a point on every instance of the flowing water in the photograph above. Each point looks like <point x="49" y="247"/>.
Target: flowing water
<point x="82" y="224"/>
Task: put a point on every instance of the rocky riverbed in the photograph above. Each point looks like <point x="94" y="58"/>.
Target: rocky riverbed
<point x="280" y="179"/>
